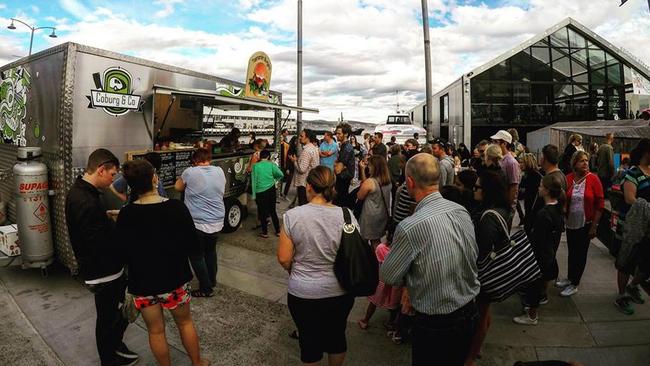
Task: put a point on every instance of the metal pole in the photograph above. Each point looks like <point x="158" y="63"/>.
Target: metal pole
<point x="428" y="123"/>
<point x="299" y="116"/>
<point x="31" y="40"/>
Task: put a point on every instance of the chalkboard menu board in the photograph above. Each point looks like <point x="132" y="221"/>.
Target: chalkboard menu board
<point x="172" y="163"/>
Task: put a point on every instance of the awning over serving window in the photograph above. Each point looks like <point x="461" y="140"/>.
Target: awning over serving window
<point x="168" y="90"/>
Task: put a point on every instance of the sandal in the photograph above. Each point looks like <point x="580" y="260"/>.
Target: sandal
<point x="263" y="236"/>
<point x="199" y="293"/>
<point x="362" y="324"/>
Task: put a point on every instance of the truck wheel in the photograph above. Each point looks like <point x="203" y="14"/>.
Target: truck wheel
<point x="234" y="216"/>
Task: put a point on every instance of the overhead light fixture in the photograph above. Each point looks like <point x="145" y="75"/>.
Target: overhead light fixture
<point x="12" y="26"/>
<point x="53" y="35"/>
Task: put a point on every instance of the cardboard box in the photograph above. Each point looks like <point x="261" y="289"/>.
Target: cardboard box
<point x="9" y="244"/>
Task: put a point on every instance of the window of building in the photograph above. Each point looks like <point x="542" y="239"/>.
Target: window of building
<point x="562" y="77"/>
<point x="444" y="109"/>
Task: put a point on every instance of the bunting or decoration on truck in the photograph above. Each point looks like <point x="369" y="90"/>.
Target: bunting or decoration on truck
<point x="114" y="93"/>
<point x="14" y="87"/>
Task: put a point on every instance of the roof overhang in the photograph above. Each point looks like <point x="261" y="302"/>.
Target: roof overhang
<point x="609" y="47"/>
<point x="211" y="94"/>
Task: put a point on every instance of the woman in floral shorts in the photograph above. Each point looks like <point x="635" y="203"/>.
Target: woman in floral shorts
<point x="157" y="237"/>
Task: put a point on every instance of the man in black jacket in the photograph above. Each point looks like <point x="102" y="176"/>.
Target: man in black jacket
<point x="92" y="235"/>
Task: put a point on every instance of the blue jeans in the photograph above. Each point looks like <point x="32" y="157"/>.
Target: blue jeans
<point x="204" y="263"/>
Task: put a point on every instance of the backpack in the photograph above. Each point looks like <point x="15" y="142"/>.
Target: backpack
<point x="356" y="267"/>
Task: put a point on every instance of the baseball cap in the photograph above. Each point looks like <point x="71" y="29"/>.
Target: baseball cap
<point x="502" y="135"/>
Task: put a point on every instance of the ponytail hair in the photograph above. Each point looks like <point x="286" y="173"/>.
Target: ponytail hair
<point x="322" y="180"/>
<point x="553" y="184"/>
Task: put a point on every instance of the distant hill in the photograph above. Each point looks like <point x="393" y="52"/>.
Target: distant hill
<point x="323" y="125"/>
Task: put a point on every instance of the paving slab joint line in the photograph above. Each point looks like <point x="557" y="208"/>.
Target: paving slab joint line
<point x="29" y="323"/>
<point x="169" y="344"/>
<point x="280" y="281"/>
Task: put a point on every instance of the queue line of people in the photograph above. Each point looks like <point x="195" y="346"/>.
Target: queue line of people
<point x="404" y="205"/>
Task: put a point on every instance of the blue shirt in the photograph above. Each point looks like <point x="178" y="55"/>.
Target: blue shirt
<point x="329" y="160"/>
<point x="204" y="190"/>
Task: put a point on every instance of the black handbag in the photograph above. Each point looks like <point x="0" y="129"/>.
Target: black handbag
<point x="509" y="268"/>
<point x="356" y="267"/>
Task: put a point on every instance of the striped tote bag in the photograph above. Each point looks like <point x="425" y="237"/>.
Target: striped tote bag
<point x="509" y="268"/>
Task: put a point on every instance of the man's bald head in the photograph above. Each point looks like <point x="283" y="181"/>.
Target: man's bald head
<point x="423" y="170"/>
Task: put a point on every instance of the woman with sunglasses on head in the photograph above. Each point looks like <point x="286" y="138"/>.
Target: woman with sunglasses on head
<point x="490" y="191"/>
<point x="585" y="204"/>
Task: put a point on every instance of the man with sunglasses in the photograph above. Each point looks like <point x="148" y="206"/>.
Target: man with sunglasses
<point x="92" y="235"/>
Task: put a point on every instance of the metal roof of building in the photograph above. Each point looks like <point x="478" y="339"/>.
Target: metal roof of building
<point x="625" y="128"/>
<point x="592" y="36"/>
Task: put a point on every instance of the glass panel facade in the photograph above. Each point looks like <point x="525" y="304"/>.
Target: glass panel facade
<point x="563" y="77"/>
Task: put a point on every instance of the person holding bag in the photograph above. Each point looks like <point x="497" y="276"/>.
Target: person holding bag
<point x="375" y="192"/>
<point x="491" y="192"/>
<point x="309" y="244"/>
<point x="586" y="202"/>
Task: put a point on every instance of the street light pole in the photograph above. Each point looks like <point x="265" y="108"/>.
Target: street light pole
<point x="428" y="123"/>
<point x="299" y="116"/>
<point x="33" y="29"/>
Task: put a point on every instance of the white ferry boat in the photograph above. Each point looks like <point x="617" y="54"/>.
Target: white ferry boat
<point x="400" y="126"/>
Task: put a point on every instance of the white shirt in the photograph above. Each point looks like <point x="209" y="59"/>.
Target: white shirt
<point x="576" y="219"/>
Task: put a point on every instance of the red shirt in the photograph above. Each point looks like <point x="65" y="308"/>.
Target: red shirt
<point x="594" y="200"/>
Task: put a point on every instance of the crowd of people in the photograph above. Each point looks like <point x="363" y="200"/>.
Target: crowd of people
<point x="439" y="218"/>
<point x="432" y="212"/>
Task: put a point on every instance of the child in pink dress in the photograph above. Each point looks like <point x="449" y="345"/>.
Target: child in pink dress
<point x="386" y="297"/>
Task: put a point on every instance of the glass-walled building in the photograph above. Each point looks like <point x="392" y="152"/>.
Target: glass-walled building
<point x="568" y="73"/>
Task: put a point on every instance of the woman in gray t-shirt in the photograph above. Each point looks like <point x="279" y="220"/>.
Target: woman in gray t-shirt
<point x="375" y="192"/>
<point x="309" y="241"/>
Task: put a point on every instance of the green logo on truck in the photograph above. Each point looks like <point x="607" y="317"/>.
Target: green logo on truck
<point x="14" y="86"/>
<point x="114" y="93"/>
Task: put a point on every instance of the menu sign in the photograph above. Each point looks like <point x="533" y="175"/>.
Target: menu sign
<point x="173" y="163"/>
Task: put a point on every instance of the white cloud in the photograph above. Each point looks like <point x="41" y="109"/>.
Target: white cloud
<point x="356" y="53"/>
<point x="35" y="9"/>
<point x="3" y="6"/>
<point x="76" y="8"/>
<point x="168" y="7"/>
<point x="248" y="4"/>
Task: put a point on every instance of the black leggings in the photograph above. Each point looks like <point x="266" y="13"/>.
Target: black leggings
<point x="321" y="325"/>
<point x="266" y="207"/>
<point x="578" y="245"/>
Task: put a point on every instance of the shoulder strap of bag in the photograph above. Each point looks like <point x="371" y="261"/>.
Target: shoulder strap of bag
<point x="502" y="221"/>
<point x="346" y="216"/>
<point x="383" y="200"/>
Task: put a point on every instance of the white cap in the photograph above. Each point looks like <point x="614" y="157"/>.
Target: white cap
<point x="502" y="135"/>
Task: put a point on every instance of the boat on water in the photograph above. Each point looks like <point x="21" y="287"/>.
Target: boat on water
<point x="400" y="126"/>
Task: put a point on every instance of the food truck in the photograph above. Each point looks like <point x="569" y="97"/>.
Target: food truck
<point x="71" y="99"/>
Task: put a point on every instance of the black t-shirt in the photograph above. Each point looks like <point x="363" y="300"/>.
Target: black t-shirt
<point x="157" y="240"/>
<point x="380" y="149"/>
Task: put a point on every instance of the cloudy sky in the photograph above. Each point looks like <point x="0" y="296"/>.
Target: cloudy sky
<point x="357" y="53"/>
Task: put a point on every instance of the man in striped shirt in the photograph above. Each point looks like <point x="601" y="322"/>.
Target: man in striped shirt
<point x="308" y="160"/>
<point x="434" y="254"/>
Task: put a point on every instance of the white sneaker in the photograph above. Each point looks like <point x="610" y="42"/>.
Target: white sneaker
<point x="569" y="291"/>
<point x="525" y="320"/>
<point x="562" y="283"/>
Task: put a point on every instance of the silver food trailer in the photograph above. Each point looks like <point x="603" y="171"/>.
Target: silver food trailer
<point x="72" y="99"/>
